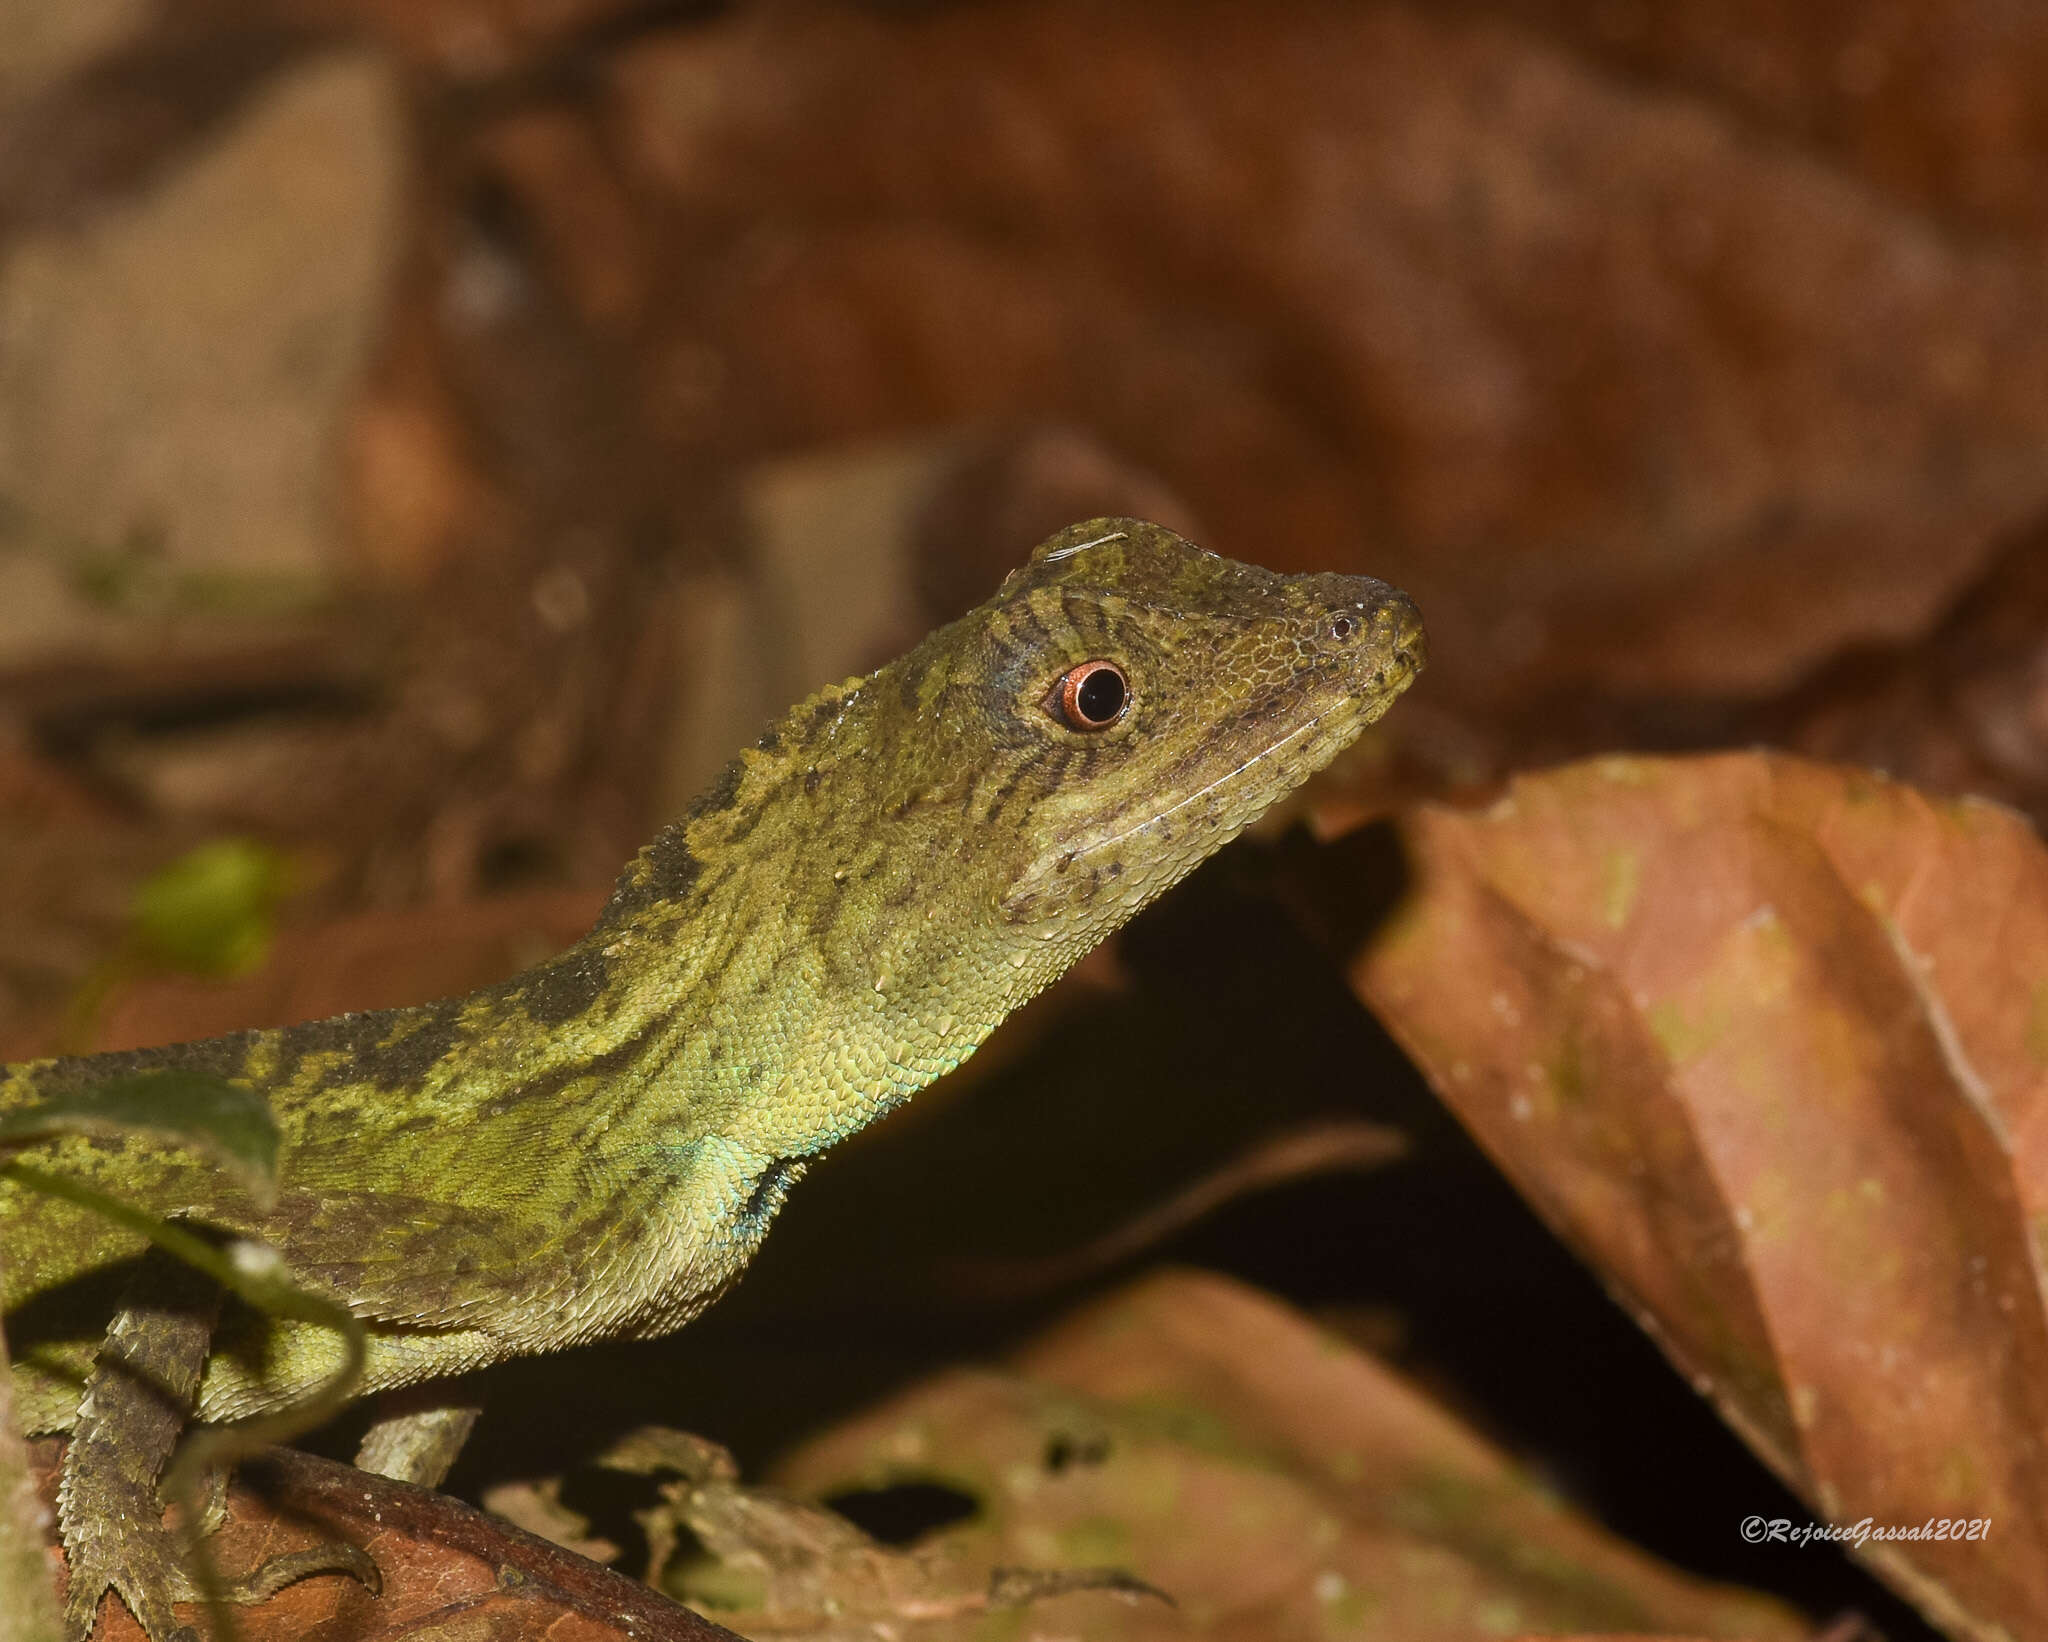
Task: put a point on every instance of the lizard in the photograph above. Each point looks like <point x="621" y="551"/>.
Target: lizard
<point x="595" y="1147"/>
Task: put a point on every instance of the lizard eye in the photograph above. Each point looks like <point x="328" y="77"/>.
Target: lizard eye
<point x="1092" y="696"/>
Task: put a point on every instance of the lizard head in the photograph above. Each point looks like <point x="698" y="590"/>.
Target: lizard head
<point x="970" y="819"/>
<point x="1129" y="703"/>
<point x="905" y="858"/>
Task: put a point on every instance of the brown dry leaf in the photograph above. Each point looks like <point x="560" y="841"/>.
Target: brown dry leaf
<point x="463" y="39"/>
<point x="783" y="1566"/>
<point x="374" y="960"/>
<point x="460" y="725"/>
<point x="448" y="1569"/>
<point x="165" y="464"/>
<point x="1964" y="710"/>
<point x="1626" y="392"/>
<point x="1273" y="1481"/>
<point x="1768" y="1042"/>
<point x="1938" y="102"/>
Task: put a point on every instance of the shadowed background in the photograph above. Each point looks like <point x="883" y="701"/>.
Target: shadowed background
<point x="435" y="435"/>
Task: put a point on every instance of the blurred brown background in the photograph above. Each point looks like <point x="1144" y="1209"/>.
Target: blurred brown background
<point x="435" y="433"/>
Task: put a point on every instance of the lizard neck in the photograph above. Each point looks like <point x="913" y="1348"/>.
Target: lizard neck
<point x="805" y="926"/>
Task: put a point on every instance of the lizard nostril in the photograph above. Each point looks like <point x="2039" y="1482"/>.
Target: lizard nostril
<point x="1342" y="628"/>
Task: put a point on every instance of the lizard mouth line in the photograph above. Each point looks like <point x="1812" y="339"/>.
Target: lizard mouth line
<point x="1182" y="803"/>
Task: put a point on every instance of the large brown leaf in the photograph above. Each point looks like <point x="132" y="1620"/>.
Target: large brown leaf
<point x="1628" y="394"/>
<point x="1768" y="1042"/>
<point x="1275" y="1482"/>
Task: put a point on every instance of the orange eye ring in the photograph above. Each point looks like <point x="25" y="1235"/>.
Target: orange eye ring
<point x="1092" y="696"/>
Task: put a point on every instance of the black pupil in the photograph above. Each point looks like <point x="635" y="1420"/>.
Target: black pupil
<point x="1341" y="627"/>
<point x="1101" y="695"/>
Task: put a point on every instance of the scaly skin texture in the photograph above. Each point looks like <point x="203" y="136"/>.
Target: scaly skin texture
<point x="595" y="1148"/>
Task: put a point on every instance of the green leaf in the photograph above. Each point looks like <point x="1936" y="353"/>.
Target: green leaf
<point x="231" y="1124"/>
<point x="209" y="911"/>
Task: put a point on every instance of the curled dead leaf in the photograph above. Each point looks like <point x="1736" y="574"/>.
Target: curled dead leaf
<point x="1272" y="1480"/>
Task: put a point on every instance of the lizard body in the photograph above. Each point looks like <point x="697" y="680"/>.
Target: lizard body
<point x="595" y="1147"/>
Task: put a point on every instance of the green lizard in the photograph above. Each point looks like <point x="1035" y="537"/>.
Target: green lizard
<point x="595" y="1148"/>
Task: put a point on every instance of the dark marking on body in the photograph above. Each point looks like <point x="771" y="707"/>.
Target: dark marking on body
<point x="825" y="712"/>
<point x="769" y="1190"/>
<point x="218" y="1057"/>
<point x="598" y="1069"/>
<point x="385" y="1048"/>
<point x="404" y="1062"/>
<point x="665" y="871"/>
<point x="1005" y="788"/>
<point x="558" y="992"/>
<point x="722" y="794"/>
